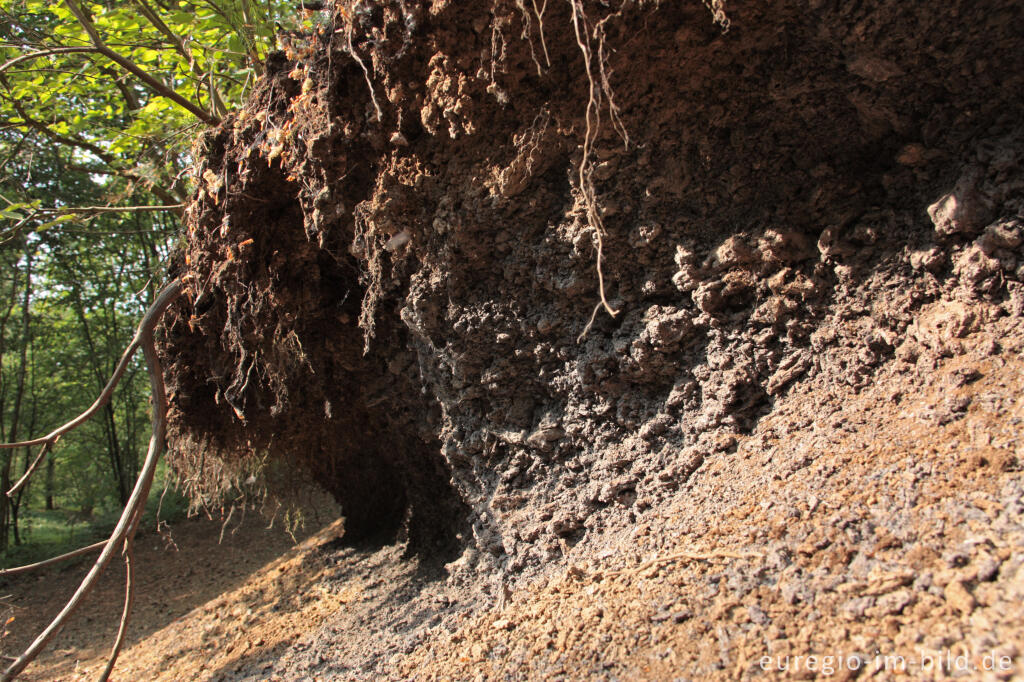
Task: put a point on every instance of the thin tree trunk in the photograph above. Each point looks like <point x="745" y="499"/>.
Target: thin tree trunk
<point x="8" y="311"/>
<point x="108" y="421"/>
<point x="8" y="514"/>
<point x="114" y="450"/>
<point x="51" y="475"/>
<point x="22" y="498"/>
<point x="14" y="524"/>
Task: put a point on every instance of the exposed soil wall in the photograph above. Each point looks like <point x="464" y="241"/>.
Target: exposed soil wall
<point x="391" y="274"/>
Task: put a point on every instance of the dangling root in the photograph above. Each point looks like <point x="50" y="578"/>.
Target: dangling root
<point x="593" y="127"/>
<point x="539" y="13"/>
<point x="362" y="65"/>
<point x="124" y="533"/>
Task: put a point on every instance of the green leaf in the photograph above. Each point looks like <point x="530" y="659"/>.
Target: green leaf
<point x="59" y="220"/>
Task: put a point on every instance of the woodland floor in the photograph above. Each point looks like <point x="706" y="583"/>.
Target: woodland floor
<point x="200" y="574"/>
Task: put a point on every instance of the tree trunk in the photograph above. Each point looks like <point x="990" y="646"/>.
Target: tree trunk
<point x="114" y="449"/>
<point x="14" y="524"/>
<point x="22" y="497"/>
<point x="109" y="422"/>
<point x="50" y="476"/>
<point x="8" y="513"/>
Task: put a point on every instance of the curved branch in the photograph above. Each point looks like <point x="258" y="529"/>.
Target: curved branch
<point x="129" y="598"/>
<point x="7" y="572"/>
<point x="32" y="468"/>
<point x="124" y="532"/>
<point x="163" y="300"/>
<point x="216" y="102"/>
<point x="125" y="616"/>
<point x="134" y="69"/>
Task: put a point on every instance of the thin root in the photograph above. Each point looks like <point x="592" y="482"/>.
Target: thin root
<point x="366" y="72"/>
<point x="593" y="127"/>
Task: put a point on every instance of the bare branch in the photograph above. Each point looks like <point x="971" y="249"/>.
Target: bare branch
<point x="31" y="470"/>
<point x="129" y="598"/>
<point x="7" y="572"/>
<point x="46" y="53"/>
<point x="175" y="208"/>
<point x="216" y="102"/>
<point x="166" y="297"/>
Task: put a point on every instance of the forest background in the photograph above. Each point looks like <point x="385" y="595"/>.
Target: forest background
<point x="99" y="104"/>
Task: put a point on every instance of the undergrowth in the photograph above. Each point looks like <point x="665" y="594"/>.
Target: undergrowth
<point x="49" y="533"/>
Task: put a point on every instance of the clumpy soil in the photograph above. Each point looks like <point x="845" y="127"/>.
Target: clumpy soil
<point x="807" y="218"/>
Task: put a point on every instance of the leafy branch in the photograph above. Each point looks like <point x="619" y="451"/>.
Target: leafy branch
<point x="132" y="68"/>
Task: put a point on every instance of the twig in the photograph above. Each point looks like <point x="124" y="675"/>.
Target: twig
<point x="134" y="69"/>
<point x="35" y="464"/>
<point x="45" y="53"/>
<point x="129" y="588"/>
<point x="6" y="572"/>
<point x="111" y="209"/>
<point x="181" y="47"/>
<point x="124" y="532"/>
<point x="122" y="629"/>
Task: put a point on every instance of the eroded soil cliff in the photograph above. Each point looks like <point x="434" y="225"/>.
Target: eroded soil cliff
<point x="804" y="215"/>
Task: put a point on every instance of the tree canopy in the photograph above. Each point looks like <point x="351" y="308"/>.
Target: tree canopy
<point x="118" y="90"/>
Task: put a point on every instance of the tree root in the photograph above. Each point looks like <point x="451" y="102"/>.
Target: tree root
<point x="600" y="89"/>
<point x="124" y="533"/>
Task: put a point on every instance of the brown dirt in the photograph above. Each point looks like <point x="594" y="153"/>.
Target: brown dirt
<point x="180" y="577"/>
<point x="849" y="524"/>
<point x="396" y="306"/>
<point x="813" y="239"/>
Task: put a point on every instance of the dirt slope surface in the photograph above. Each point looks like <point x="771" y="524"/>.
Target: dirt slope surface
<point x="179" y="576"/>
<point x="881" y="531"/>
<point x="883" y="528"/>
<point x="400" y="302"/>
